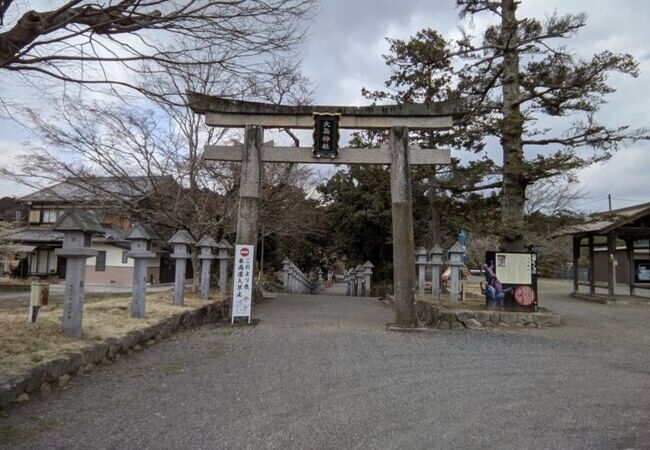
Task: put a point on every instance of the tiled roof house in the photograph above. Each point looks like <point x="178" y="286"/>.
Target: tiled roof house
<point x="36" y="241"/>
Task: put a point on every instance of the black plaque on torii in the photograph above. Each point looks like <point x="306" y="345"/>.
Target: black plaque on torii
<point x="326" y="135"/>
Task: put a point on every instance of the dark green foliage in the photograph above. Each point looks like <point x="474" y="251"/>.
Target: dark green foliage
<point x="358" y="205"/>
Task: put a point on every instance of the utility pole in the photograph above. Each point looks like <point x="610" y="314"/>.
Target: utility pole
<point x="609" y="199"/>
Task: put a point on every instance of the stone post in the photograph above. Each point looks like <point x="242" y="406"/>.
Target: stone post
<point x="367" y="273"/>
<point x="436" y="264"/>
<point x="140" y="253"/>
<point x="402" y="218"/>
<point x="206" y="245"/>
<point x="346" y="280"/>
<point x="286" y="264"/>
<point x="249" y="194"/>
<point x="78" y="228"/>
<point x="421" y="262"/>
<point x="223" y="247"/>
<point x="359" y="274"/>
<point x="456" y="253"/>
<point x="181" y="240"/>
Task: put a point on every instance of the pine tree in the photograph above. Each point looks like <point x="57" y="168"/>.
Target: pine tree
<point x="517" y="74"/>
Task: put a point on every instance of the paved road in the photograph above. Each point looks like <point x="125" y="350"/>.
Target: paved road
<point x="322" y="372"/>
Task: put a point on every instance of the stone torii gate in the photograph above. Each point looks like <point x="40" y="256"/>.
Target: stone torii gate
<point x="254" y="117"/>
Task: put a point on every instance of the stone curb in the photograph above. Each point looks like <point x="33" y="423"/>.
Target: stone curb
<point x="435" y="316"/>
<point x="40" y="380"/>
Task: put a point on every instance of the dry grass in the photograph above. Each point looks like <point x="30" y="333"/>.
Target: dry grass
<point x="23" y="344"/>
<point x="14" y="281"/>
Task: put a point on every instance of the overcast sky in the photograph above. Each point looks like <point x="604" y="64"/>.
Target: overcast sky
<point x="344" y="48"/>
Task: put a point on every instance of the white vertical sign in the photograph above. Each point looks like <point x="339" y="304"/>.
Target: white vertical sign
<point x="242" y="292"/>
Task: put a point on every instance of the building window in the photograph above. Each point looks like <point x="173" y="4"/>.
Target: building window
<point x="50" y="215"/>
<point x="87" y="240"/>
<point x="34" y="216"/>
<point x="125" y="259"/>
<point x="100" y="261"/>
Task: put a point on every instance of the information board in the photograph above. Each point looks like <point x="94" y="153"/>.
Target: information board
<point x="510" y="281"/>
<point x="242" y="292"/>
<point x="514" y="268"/>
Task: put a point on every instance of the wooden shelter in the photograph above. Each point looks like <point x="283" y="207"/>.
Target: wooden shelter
<point x="628" y="225"/>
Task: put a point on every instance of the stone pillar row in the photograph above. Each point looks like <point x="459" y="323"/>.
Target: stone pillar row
<point x="294" y="280"/>
<point x="435" y="260"/>
<point x="78" y="227"/>
<point x="181" y="242"/>
<point x="358" y="280"/>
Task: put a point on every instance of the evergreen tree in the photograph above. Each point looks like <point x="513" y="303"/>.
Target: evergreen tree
<point x="518" y="73"/>
<point x="421" y="72"/>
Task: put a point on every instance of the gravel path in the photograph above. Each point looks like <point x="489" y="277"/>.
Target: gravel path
<point x="322" y="372"/>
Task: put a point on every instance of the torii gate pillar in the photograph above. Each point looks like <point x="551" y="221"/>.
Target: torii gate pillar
<point x="403" y="241"/>
<point x="250" y="191"/>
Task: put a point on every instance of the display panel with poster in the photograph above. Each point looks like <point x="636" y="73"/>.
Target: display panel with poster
<point x="510" y="281"/>
<point x="642" y="271"/>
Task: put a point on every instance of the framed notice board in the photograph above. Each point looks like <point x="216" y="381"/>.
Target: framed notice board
<point x="510" y="281"/>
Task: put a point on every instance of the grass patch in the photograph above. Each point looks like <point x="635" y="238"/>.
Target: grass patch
<point x="13" y="435"/>
<point x="23" y="344"/>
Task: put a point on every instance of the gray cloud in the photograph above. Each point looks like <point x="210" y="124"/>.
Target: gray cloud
<point x="347" y="38"/>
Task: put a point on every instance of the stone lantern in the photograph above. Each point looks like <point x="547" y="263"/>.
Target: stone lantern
<point x="78" y="228"/>
<point x="456" y="254"/>
<point x="436" y="255"/>
<point x="358" y="273"/>
<point x="223" y="249"/>
<point x="367" y="273"/>
<point x="140" y="252"/>
<point x="349" y="281"/>
<point x="421" y="262"/>
<point x="181" y="241"/>
<point x="206" y="245"/>
<point x="286" y="267"/>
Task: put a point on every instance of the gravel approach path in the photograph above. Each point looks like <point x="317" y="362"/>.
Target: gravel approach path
<point x="322" y="372"/>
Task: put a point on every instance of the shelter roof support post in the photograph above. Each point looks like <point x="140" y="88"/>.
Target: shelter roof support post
<point x="249" y="192"/>
<point x="576" y="262"/>
<point x="592" y="273"/>
<point x="629" y="248"/>
<point x="403" y="240"/>
<point x="611" y="259"/>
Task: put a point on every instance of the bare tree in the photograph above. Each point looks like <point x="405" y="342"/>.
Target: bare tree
<point x="156" y="155"/>
<point x="553" y="196"/>
<point x="103" y="43"/>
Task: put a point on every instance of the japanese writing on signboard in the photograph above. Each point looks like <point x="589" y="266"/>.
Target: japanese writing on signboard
<point x="326" y="135"/>
<point x="243" y="281"/>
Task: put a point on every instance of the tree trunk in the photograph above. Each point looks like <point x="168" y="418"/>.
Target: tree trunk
<point x="513" y="194"/>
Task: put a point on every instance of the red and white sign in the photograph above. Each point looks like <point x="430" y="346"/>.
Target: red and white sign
<point x="242" y="292"/>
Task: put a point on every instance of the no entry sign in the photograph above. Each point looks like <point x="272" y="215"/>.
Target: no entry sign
<point x="242" y="292"/>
